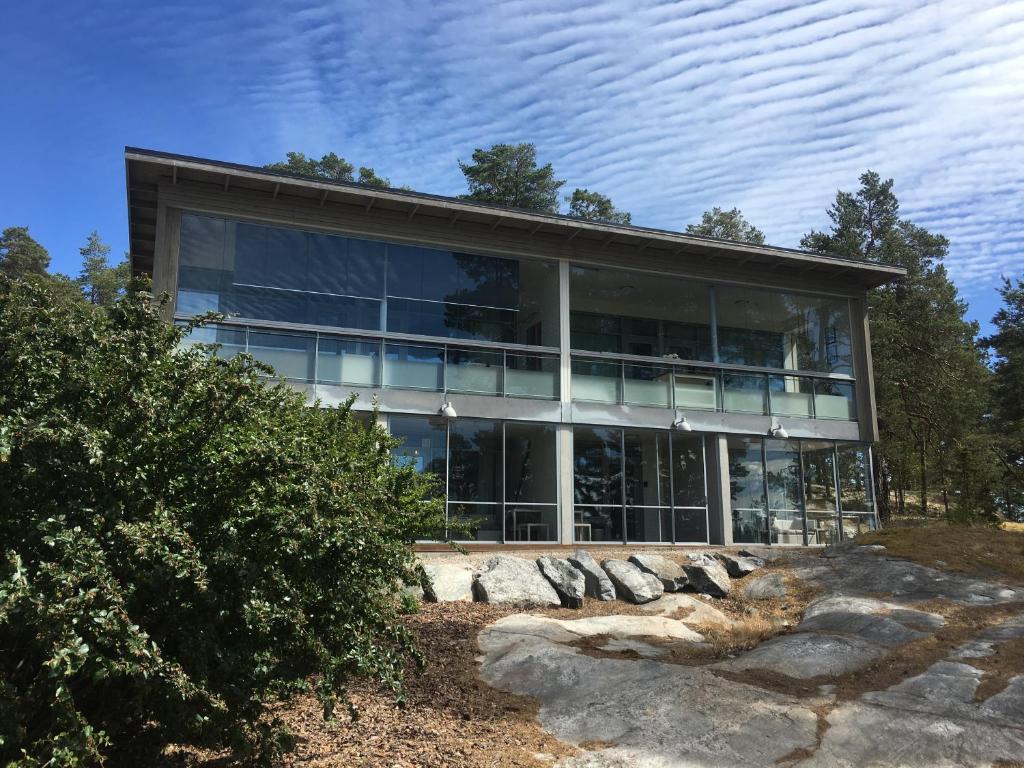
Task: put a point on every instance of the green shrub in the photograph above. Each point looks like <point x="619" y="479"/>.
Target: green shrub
<point x="182" y="542"/>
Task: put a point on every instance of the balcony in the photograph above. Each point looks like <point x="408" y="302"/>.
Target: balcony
<point x="688" y="387"/>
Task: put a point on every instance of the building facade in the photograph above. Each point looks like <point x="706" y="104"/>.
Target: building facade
<point x="570" y="381"/>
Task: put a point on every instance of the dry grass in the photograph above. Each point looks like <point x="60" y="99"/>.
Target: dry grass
<point x="740" y="635"/>
<point x="1013" y="527"/>
<point x="984" y="551"/>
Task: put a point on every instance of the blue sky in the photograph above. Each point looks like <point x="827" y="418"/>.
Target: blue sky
<point x="669" y="108"/>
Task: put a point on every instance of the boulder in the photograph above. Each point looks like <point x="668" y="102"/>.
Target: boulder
<point x="448" y="583"/>
<point x="631" y="583"/>
<point x="738" y="566"/>
<point x="568" y="581"/>
<point x="598" y="585"/>
<point x="708" y="578"/>
<point x="671" y="575"/>
<point x="765" y="588"/>
<point x="514" y="581"/>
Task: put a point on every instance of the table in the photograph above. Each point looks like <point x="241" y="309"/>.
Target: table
<point x="583" y="527"/>
<point x="530" y="528"/>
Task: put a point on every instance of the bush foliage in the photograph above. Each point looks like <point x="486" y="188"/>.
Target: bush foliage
<point x="182" y="541"/>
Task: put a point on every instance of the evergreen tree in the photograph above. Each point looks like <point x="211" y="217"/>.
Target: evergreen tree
<point x="20" y="254"/>
<point x="726" y="225"/>
<point x="330" y="167"/>
<point x="1007" y="344"/>
<point x="100" y="282"/>
<point x="508" y="174"/>
<point x="584" y="204"/>
<point x="930" y="377"/>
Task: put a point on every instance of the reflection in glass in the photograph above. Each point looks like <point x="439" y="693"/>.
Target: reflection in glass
<point x="820" y="492"/>
<point x="647" y="385"/>
<point x="598" y="523"/>
<point x="834" y="400"/>
<point x="783" y="330"/>
<point x="647" y="468"/>
<point x="290" y="355"/>
<point x="597" y="466"/>
<point x="474" y="371"/>
<point x="744" y="394"/>
<point x="695" y="389"/>
<point x="229" y="341"/>
<point x="424" y="444"/>
<point x="746" y="490"/>
<point x="633" y="313"/>
<point x="688" y="483"/>
<point x="531" y="522"/>
<point x="413" y="367"/>
<point x="531" y="465"/>
<point x="346" y="361"/>
<point x="485" y="520"/>
<point x="474" y="460"/>
<point x="531" y="376"/>
<point x="651" y="524"/>
<point x="854" y="472"/>
<point x="791" y="396"/>
<point x="782" y="460"/>
<point x="597" y="382"/>
<point x="691" y="525"/>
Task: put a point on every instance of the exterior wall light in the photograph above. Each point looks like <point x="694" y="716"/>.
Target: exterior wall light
<point x="778" y="431"/>
<point x="681" y="423"/>
<point x="447" y="410"/>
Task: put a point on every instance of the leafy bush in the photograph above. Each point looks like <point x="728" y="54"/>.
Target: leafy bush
<point x="182" y="542"/>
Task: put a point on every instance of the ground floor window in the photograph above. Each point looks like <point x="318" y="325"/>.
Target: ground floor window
<point x="633" y="485"/>
<point x="499" y="477"/>
<point x="799" y="491"/>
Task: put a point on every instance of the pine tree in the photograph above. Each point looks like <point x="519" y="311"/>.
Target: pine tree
<point x="726" y="225"/>
<point x="20" y="254"/>
<point x="593" y="206"/>
<point x="1007" y="344"/>
<point x="930" y="377"/>
<point x="101" y="283"/>
<point x="508" y="174"/>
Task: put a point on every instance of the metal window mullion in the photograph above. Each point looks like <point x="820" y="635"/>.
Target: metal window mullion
<point x="835" y="489"/>
<point x="707" y="514"/>
<point x="622" y="478"/>
<point x="803" y="488"/>
<point x="504" y="487"/>
<point x="671" y="483"/>
<point x="713" y="322"/>
<point x="764" y="482"/>
<point x="768" y="393"/>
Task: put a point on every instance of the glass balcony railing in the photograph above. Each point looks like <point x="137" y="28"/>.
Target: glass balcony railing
<point x="329" y="360"/>
<point x="688" y="388"/>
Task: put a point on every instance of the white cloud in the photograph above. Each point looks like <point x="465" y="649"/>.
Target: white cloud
<point x="670" y="108"/>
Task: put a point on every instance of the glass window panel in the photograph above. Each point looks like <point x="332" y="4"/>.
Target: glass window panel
<point x="537" y="318"/>
<point x="474" y="371"/>
<point x="744" y="394"/>
<point x="651" y="524"/>
<point x="201" y="272"/>
<point x="597" y="524"/>
<point x="855" y="525"/>
<point x="485" y="520"/>
<point x="343" y="311"/>
<point x="834" y="400"/>
<point x="855" y="485"/>
<point x="596" y="382"/>
<point x="647" y="468"/>
<point x="746" y="489"/>
<point x="695" y="390"/>
<point x="820" y="491"/>
<point x="347" y="361"/>
<point x="531" y="376"/>
<point x="424" y="444"/>
<point x="691" y="525"/>
<point x="328" y="264"/>
<point x="597" y="465"/>
<point x="265" y="304"/>
<point x="613" y="310"/>
<point x="291" y="356"/>
<point x="475" y="461"/>
<point x="366" y="269"/>
<point x="450" y="320"/>
<point x="783" y="330"/>
<point x="791" y="396"/>
<point x="647" y="385"/>
<point x="269" y="256"/>
<point x="413" y="367"/>
<point x="531" y="522"/>
<point x="688" y="470"/>
<point x="231" y="341"/>
<point x="784" y="491"/>
<point x="531" y="463"/>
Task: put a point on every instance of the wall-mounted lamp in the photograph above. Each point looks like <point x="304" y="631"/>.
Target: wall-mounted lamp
<point x="681" y="423"/>
<point x="778" y="431"/>
<point x="447" y="410"/>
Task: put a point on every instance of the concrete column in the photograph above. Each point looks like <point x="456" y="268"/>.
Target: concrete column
<point x="721" y="484"/>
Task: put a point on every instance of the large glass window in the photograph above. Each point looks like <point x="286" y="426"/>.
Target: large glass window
<point x="856" y="498"/>
<point x="820" y="491"/>
<point x="785" y="505"/>
<point x="746" y="490"/>
<point x="775" y="329"/>
<point x="501" y="478"/>
<point x="639" y="314"/>
<point x="280" y="274"/>
<point x="638" y="486"/>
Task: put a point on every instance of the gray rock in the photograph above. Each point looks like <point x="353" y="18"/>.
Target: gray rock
<point x="767" y="587"/>
<point x="514" y="581"/>
<point x="670" y="574"/>
<point x="448" y="583"/>
<point x="599" y="586"/>
<point x="880" y="630"/>
<point x="567" y="580"/>
<point x="631" y="583"/>
<point x="740" y="566"/>
<point x="806" y="654"/>
<point x="709" y="578"/>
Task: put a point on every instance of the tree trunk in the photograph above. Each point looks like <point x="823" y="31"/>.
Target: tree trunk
<point x="924" y="477"/>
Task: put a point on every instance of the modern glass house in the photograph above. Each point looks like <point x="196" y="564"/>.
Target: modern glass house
<point x="570" y="381"/>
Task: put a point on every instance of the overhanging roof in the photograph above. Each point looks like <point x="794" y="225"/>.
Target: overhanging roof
<point x="146" y="169"/>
